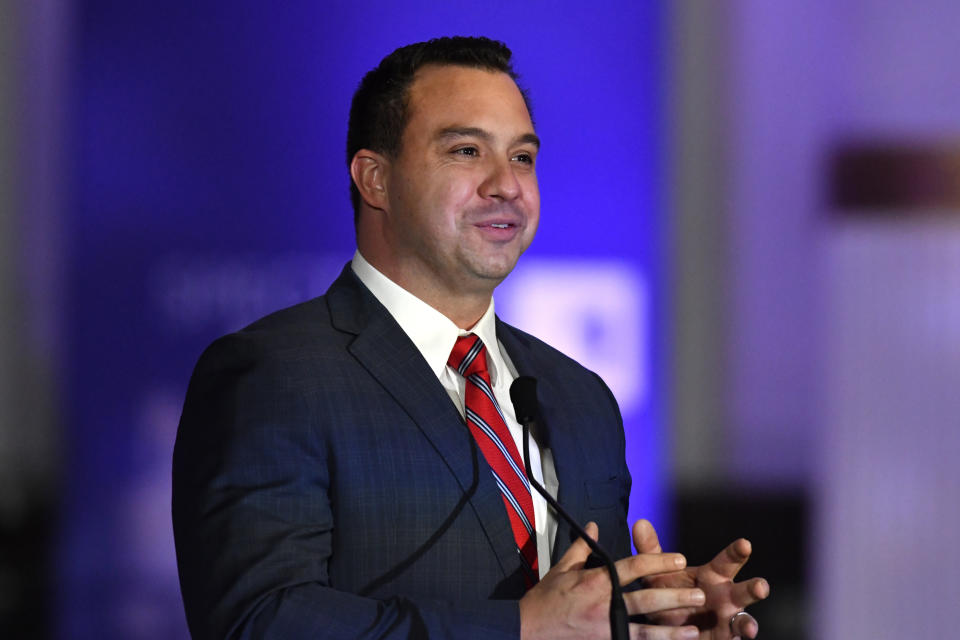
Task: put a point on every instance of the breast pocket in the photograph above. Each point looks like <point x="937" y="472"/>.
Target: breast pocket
<point x="602" y="494"/>
<point x="604" y="506"/>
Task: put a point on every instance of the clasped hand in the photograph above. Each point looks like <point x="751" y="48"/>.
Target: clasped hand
<point x="679" y="602"/>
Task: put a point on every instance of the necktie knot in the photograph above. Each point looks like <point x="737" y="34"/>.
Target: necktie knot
<point x="469" y="355"/>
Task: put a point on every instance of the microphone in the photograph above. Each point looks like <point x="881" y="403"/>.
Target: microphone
<point x="523" y="394"/>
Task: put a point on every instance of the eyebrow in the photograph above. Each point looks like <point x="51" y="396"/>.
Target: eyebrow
<point x="483" y="134"/>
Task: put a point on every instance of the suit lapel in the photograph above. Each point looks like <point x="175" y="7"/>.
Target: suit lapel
<point x="561" y="434"/>
<point x="394" y="362"/>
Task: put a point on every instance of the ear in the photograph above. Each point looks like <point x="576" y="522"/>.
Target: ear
<point x="368" y="170"/>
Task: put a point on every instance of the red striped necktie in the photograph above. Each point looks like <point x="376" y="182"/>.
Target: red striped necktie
<point x="489" y="429"/>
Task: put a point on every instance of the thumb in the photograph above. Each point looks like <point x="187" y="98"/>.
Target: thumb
<point x="576" y="556"/>
<point x="645" y="537"/>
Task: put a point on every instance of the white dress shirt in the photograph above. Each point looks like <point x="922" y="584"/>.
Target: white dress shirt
<point x="434" y="335"/>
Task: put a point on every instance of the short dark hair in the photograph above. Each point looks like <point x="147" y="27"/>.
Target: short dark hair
<point x="379" y="111"/>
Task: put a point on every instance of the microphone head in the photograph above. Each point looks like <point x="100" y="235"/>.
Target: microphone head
<point x="523" y="394"/>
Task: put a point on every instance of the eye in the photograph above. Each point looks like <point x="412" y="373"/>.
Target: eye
<point x="524" y="157"/>
<point x="466" y="151"/>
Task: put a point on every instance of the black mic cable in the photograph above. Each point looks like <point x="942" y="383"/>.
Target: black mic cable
<point x="523" y="394"/>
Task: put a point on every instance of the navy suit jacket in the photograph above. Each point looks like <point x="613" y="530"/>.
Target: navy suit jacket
<point x="325" y="486"/>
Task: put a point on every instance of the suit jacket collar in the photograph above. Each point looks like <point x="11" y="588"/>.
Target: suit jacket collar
<point x="386" y="352"/>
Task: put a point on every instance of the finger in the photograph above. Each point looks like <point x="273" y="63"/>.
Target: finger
<point x="645" y="537"/>
<point x="672" y="579"/>
<point x="645" y="601"/>
<point x="657" y="632"/>
<point x="576" y="556"/>
<point x="727" y="563"/>
<point x="743" y="594"/>
<point x="744" y="625"/>
<point x="648" y="564"/>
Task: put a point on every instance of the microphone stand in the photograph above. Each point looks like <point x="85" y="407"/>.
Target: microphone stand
<point x="523" y="393"/>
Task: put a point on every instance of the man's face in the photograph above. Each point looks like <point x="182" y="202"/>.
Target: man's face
<point x="463" y="201"/>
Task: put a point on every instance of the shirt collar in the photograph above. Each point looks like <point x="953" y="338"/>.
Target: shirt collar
<point x="430" y="331"/>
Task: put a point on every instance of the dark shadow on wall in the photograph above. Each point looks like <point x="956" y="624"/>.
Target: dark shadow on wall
<point x="776" y="524"/>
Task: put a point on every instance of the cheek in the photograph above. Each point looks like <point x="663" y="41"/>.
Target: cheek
<point x="533" y="222"/>
<point x="452" y="200"/>
<point x="531" y="231"/>
<point x="532" y="200"/>
<point x="531" y="189"/>
<point x="460" y="187"/>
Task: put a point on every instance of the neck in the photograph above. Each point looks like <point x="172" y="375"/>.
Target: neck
<point x="463" y="300"/>
<point x="463" y="305"/>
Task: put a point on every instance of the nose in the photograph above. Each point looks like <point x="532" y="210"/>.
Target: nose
<point x="501" y="182"/>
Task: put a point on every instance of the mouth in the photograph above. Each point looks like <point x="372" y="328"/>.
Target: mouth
<point x="499" y="231"/>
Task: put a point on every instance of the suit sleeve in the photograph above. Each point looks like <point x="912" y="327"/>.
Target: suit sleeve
<point x="623" y="546"/>
<point x="253" y="522"/>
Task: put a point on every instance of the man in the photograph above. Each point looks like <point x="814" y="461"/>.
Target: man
<point x="347" y="468"/>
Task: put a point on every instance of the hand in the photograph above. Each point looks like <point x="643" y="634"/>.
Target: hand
<point x="724" y="597"/>
<point x="573" y="602"/>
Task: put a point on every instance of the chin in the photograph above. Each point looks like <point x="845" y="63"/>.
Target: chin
<point x="490" y="267"/>
<point x="497" y="273"/>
